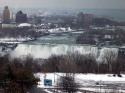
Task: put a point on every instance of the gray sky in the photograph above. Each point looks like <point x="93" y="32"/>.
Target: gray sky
<point x="64" y="4"/>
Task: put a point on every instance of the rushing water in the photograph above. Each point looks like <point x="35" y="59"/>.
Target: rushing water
<point x="54" y="44"/>
<point x="46" y="50"/>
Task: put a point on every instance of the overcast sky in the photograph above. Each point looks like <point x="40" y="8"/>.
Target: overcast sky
<point x="65" y="4"/>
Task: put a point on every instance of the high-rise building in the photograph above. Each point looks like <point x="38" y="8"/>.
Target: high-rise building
<point x="21" y="17"/>
<point x="6" y="15"/>
<point x="88" y="19"/>
<point x="84" y="20"/>
<point x="80" y="20"/>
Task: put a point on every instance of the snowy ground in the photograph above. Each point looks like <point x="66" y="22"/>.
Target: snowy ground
<point x="14" y="40"/>
<point x="91" y="82"/>
<point x="60" y="29"/>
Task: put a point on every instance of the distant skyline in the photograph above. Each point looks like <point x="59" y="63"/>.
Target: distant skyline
<point x="65" y="4"/>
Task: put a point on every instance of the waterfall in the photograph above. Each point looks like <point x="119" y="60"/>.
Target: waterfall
<point x="46" y="50"/>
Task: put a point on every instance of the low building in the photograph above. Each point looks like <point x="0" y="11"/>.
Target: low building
<point x="8" y="25"/>
<point x="121" y="27"/>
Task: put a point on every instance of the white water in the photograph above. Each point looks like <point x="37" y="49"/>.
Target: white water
<point x="46" y="50"/>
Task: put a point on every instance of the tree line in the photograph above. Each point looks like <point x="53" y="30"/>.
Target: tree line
<point x="78" y="63"/>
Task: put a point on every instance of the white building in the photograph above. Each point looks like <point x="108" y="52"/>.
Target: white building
<point x="22" y="25"/>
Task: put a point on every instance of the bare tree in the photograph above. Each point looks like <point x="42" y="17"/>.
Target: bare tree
<point x="109" y="57"/>
<point x="67" y="83"/>
<point x="67" y="65"/>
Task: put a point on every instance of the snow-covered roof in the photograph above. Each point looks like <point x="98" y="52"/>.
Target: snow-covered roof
<point x="24" y="25"/>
